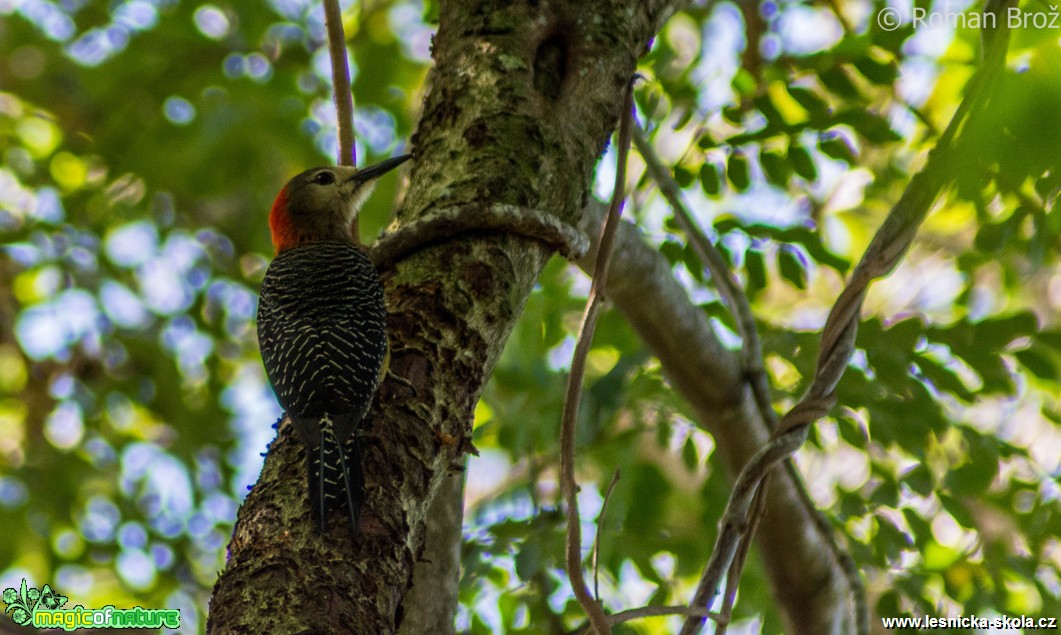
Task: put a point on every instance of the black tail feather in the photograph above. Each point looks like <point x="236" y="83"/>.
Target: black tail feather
<point x="354" y="480"/>
<point x="336" y="479"/>
<point x="322" y="485"/>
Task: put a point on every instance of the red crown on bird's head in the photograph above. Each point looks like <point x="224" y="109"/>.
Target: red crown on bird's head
<point x="281" y="226"/>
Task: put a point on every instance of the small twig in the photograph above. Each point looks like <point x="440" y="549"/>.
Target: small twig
<point x="733" y="576"/>
<point x="658" y="611"/>
<point x="597" y="618"/>
<point x="725" y="282"/>
<point x="344" y="97"/>
<point x="600" y="525"/>
<point x="888" y="246"/>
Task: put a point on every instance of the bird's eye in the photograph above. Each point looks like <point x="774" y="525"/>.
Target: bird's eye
<point x="324" y="178"/>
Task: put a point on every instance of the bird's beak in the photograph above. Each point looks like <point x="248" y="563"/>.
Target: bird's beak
<point x="364" y="175"/>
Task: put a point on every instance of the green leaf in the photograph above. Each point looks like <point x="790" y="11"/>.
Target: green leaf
<point x="744" y="83"/>
<point x="980" y="469"/>
<point x="737" y="170"/>
<point x="792" y="267"/>
<point x="801" y="162"/>
<point x="943" y="378"/>
<point x="835" y="146"/>
<point x="776" y="169"/>
<point x="1038" y="363"/>
<point x="528" y="560"/>
<point x="682" y="176"/>
<point x="734" y="115"/>
<point x="689" y="455"/>
<point x="755" y="265"/>
<point x="710" y="179"/>
<point x="871" y="126"/>
<point x="878" y="72"/>
<point x="919" y="479"/>
<point x="811" y="102"/>
<point x="672" y="251"/>
<point x="769" y="111"/>
<point x="836" y="80"/>
<point x="888" y="604"/>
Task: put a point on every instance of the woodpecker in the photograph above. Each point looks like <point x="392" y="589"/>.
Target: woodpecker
<point x="322" y="327"/>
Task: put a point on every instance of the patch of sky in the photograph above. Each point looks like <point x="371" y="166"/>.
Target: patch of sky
<point x="219" y="508"/>
<point x="136" y="568"/>
<point x="723" y="40"/>
<point x="933" y="26"/>
<point x="163" y="290"/>
<point x="406" y="20"/>
<point x="131" y="245"/>
<point x="122" y="306"/>
<point x="162" y="555"/>
<point x="917" y="76"/>
<point x="48" y="17"/>
<point x="804" y="29"/>
<point x="178" y="110"/>
<point x="16" y="202"/>
<point x="207" y="470"/>
<point x="190" y="346"/>
<point x="49" y="206"/>
<point x="292" y="9"/>
<point x="132" y="535"/>
<point x="375" y="128"/>
<point x="48" y="329"/>
<point x="160" y="483"/>
<point x="99" y="44"/>
<point x="74" y="580"/>
<point x="211" y="21"/>
<point x="99" y="519"/>
<point x="13" y="492"/>
<point x="135" y="15"/>
<point x="215" y="243"/>
<point x="251" y="401"/>
<point x="65" y="426"/>
<point x="100" y="452"/>
<point x="559" y="356"/>
<point x="189" y="607"/>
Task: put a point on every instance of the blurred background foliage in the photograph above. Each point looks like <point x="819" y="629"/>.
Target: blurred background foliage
<point x="142" y="142"/>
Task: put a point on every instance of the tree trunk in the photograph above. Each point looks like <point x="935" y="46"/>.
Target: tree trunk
<point x="523" y="98"/>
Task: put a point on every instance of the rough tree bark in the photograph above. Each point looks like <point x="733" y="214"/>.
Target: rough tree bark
<point x="523" y="98"/>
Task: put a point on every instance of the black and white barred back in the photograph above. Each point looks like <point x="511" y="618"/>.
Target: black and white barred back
<point x="322" y="328"/>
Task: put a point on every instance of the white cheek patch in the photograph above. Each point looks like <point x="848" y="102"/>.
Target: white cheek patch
<point x="358" y="199"/>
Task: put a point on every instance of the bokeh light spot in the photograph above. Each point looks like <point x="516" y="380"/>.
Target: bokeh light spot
<point x="178" y="110"/>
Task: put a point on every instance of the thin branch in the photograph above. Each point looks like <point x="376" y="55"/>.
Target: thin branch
<point x="598" y="619"/>
<point x="658" y="611"/>
<point x="725" y="282"/>
<point x="737" y="567"/>
<point x="596" y="539"/>
<point x="887" y="248"/>
<point x="344" y="97"/>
